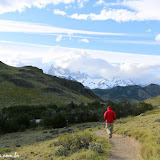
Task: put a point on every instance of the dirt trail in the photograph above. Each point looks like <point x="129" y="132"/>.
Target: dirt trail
<point x="124" y="148"/>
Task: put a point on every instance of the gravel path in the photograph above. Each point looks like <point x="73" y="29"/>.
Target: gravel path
<point x="124" y="148"/>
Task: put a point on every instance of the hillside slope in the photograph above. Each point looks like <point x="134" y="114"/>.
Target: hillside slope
<point x="129" y="93"/>
<point x="29" y="85"/>
<point x="155" y="101"/>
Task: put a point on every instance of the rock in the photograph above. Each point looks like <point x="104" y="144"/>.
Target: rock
<point x="63" y="131"/>
<point x="51" y="131"/>
<point x="18" y="145"/>
<point x="69" y="130"/>
<point x="142" y="114"/>
<point x="157" y="120"/>
<point x="45" y="132"/>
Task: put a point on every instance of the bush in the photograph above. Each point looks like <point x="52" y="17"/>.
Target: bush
<point x="5" y="150"/>
<point x="73" y="142"/>
<point x="95" y="147"/>
<point x="11" y="125"/>
<point x="66" y="141"/>
<point x="33" y="124"/>
<point x="56" y="121"/>
<point x="22" y="128"/>
<point x="56" y="143"/>
<point x="59" y="121"/>
<point x="86" y="139"/>
<point x="23" y="120"/>
<point x="61" y="151"/>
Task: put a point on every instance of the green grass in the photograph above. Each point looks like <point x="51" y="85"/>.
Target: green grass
<point x="155" y="101"/>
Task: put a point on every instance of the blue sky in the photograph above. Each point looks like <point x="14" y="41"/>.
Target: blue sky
<point x="125" y="34"/>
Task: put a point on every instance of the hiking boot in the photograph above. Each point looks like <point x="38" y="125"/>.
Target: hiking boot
<point x="110" y="136"/>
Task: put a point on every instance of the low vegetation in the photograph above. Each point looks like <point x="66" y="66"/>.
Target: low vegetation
<point x="76" y="145"/>
<point x="20" y="118"/>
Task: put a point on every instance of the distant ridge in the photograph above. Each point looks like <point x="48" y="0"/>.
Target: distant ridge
<point x="129" y="93"/>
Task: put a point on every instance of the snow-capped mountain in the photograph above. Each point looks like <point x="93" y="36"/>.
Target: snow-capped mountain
<point x="88" y="81"/>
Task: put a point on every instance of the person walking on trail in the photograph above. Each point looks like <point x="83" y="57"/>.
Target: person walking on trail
<point x="109" y="116"/>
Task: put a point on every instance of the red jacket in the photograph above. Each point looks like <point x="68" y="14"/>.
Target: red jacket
<point x="109" y="115"/>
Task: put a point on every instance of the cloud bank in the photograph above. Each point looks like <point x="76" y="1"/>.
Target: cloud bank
<point x="26" y="27"/>
<point x="142" y="69"/>
<point x="124" y="11"/>
<point x="120" y="11"/>
<point x="14" y="5"/>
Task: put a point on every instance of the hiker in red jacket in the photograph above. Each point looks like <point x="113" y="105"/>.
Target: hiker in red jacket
<point x="109" y="116"/>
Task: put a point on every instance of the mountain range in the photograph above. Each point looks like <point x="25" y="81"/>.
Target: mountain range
<point x="88" y="81"/>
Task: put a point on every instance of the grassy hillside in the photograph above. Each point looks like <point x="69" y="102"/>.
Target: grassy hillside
<point x="30" y="86"/>
<point x="129" y="93"/>
<point x="155" y="101"/>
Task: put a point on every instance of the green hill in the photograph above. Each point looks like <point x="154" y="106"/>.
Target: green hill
<point x="155" y="101"/>
<point x="129" y="93"/>
<point x="29" y="85"/>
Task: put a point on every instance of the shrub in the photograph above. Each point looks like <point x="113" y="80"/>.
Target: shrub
<point x="86" y="139"/>
<point x="56" y="121"/>
<point x="23" y="120"/>
<point x="33" y="124"/>
<point x="95" y="147"/>
<point x="4" y="150"/>
<point x="61" y="151"/>
<point x="11" y="125"/>
<point x="75" y="141"/>
<point x="65" y="141"/>
<point x="55" y="144"/>
<point x="22" y="128"/>
<point x="59" y="121"/>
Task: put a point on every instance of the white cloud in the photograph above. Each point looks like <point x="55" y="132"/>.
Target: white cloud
<point x="79" y="16"/>
<point x="81" y="3"/>
<point x="57" y="11"/>
<point x="114" y="14"/>
<point x="133" y="42"/>
<point x="100" y="2"/>
<point x="24" y="27"/>
<point x="157" y="38"/>
<point x="148" y="30"/>
<point x="137" y="10"/>
<point x="85" y="40"/>
<point x="59" y="38"/>
<point x="15" y="5"/>
<point x="144" y="9"/>
<point x="134" y="66"/>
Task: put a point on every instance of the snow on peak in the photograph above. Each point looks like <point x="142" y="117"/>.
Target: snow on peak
<point x="88" y="81"/>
